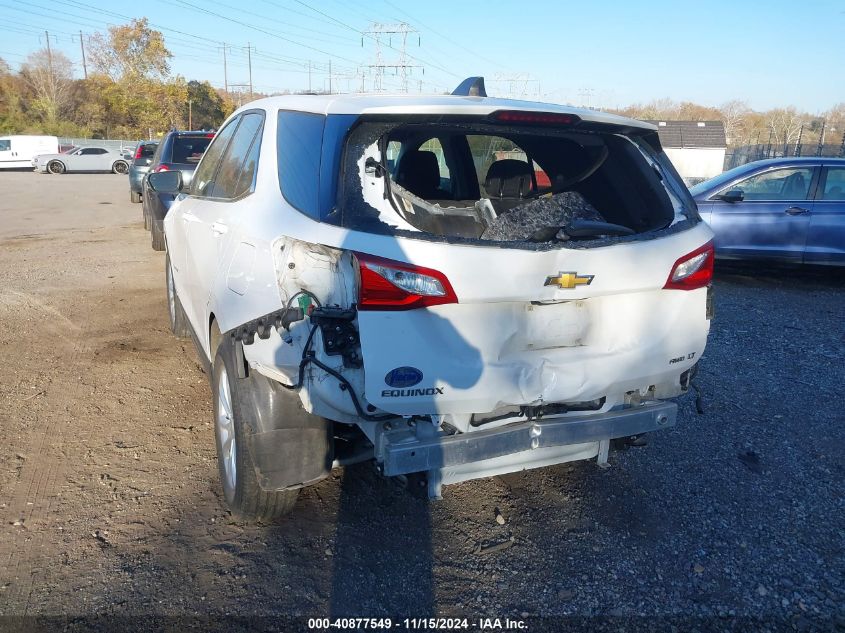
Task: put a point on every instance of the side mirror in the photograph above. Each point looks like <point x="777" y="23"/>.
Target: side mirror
<point x="734" y="195"/>
<point x="166" y="181"/>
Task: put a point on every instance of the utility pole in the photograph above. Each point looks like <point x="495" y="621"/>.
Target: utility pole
<point x="49" y="57"/>
<point x="82" y="46"/>
<point x="797" y="151"/>
<point x="330" y="76"/>
<point x="190" y="114"/>
<point x="309" y="75"/>
<point x="249" y="61"/>
<point x="225" y="71"/>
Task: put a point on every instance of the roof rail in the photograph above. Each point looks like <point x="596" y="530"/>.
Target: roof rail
<point x="471" y="87"/>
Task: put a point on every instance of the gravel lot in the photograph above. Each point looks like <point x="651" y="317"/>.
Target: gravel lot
<point x="110" y="506"/>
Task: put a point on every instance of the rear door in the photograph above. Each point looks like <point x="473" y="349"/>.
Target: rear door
<point x="211" y="216"/>
<point x="773" y="218"/>
<point x="826" y="236"/>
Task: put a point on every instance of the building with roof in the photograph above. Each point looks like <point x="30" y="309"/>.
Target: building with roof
<point x="696" y="148"/>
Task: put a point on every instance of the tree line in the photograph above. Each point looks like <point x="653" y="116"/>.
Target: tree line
<point x="131" y="93"/>
<point x="128" y="93"/>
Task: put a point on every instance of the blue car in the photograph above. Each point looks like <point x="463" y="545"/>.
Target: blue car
<point x="786" y="209"/>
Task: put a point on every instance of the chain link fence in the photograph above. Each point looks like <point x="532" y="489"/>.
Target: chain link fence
<point x="736" y="156"/>
<point x="119" y="145"/>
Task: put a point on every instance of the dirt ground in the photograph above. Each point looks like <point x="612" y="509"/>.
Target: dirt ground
<point x="110" y="505"/>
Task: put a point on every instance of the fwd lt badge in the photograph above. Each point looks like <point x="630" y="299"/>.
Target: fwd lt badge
<point x="568" y="280"/>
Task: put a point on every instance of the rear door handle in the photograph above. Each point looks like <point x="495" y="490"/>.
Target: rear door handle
<point x="219" y="229"/>
<point x="796" y="211"/>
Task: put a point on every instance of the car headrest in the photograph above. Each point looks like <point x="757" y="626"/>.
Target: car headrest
<point x="419" y="173"/>
<point x="509" y="178"/>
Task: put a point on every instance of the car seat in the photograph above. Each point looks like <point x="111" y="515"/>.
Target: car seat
<point x="795" y="187"/>
<point x="507" y="183"/>
<point x="419" y="173"/>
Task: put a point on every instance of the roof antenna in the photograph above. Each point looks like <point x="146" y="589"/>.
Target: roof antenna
<point x="471" y="87"/>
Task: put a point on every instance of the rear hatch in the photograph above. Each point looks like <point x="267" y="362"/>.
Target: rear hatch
<point x="509" y="264"/>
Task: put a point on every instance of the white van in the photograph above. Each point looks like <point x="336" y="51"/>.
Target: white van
<point x="18" y="150"/>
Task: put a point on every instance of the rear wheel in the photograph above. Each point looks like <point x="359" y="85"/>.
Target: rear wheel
<point x="120" y="167"/>
<point x="178" y="320"/>
<point x="135" y="197"/>
<point x="146" y="217"/>
<point x="157" y="235"/>
<point x="56" y="167"/>
<point x="243" y="495"/>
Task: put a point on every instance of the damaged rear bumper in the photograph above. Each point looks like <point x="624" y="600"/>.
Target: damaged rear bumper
<point x="536" y="440"/>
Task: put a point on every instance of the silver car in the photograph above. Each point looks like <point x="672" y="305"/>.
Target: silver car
<point x="82" y="159"/>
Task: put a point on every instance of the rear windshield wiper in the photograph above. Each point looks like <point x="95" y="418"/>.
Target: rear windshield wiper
<point x="580" y="229"/>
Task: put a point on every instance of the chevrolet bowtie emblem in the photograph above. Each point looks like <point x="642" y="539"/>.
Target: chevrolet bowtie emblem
<point x="569" y="280"/>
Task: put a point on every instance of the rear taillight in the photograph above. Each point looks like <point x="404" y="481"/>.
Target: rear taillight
<point x="161" y="167"/>
<point x="693" y="270"/>
<point x="389" y="285"/>
<point x="138" y="152"/>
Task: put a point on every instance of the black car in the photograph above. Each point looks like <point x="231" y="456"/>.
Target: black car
<point x="177" y="151"/>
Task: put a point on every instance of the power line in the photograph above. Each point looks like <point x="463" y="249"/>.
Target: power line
<point x="445" y="70"/>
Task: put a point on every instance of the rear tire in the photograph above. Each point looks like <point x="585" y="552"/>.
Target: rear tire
<point x="146" y="218"/>
<point x="135" y="197"/>
<point x="56" y="167"/>
<point x="245" y="498"/>
<point x="178" y="320"/>
<point x="120" y="167"/>
<point x="157" y="235"/>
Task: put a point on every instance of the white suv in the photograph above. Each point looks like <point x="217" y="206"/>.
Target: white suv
<point x="452" y="286"/>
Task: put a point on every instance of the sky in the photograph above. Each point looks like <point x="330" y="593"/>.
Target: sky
<point x="605" y="54"/>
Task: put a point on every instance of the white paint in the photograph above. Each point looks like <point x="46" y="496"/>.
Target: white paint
<point x="18" y="150"/>
<point x="697" y="162"/>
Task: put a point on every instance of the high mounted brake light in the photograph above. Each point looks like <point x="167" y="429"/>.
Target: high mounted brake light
<point x="693" y="270"/>
<point x="527" y="117"/>
<point x="389" y="285"/>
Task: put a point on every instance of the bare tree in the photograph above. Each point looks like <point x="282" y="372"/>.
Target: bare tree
<point x="785" y="123"/>
<point x="49" y="76"/>
<point x="734" y="114"/>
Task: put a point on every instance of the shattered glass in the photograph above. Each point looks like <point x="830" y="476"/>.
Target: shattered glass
<point x="528" y="221"/>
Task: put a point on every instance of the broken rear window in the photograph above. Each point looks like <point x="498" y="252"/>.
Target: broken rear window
<point x="504" y="184"/>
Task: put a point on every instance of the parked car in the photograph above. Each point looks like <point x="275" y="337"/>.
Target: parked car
<point x="141" y="161"/>
<point x="786" y="209"/>
<point x="448" y="318"/>
<point x="178" y="151"/>
<point x="18" y="151"/>
<point x="82" y="159"/>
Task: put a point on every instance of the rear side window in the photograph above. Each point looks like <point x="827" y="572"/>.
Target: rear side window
<point x="204" y="176"/>
<point x="5" y="145"/>
<point x="188" y="150"/>
<point x="834" y="186"/>
<point x="299" y="141"/>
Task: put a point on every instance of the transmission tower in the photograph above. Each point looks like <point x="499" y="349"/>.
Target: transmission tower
<point x="386" y="32"/>
<point x="516" y="85"/>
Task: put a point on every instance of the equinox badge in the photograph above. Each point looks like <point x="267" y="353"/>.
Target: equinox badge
<point x="568" y="280"/>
